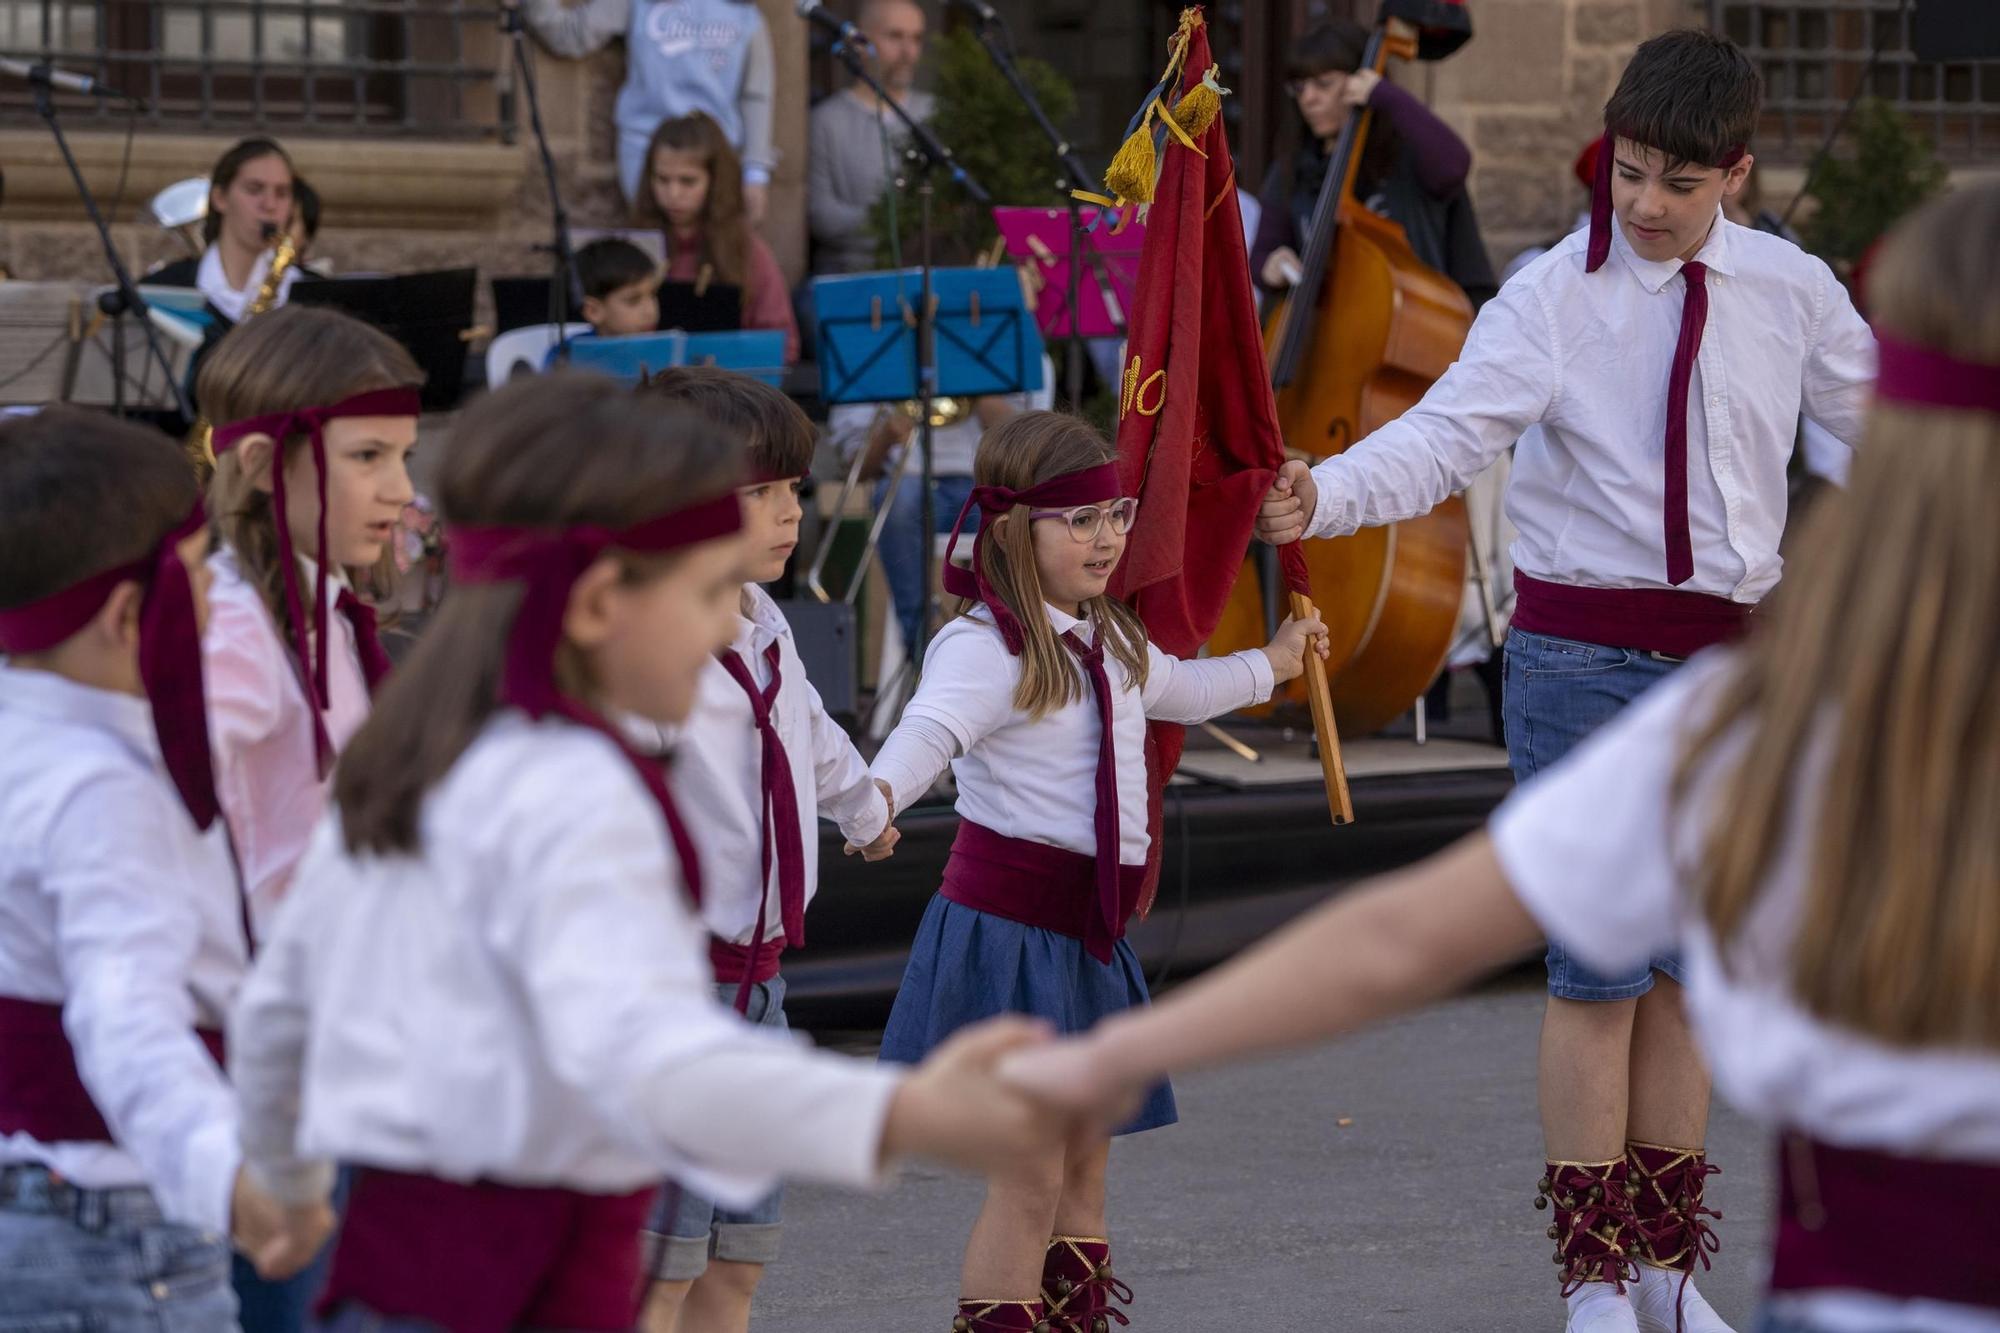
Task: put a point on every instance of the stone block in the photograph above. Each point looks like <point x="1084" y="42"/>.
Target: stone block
<point x="1540" y="202"/>
<point x="1607" y="22"/>
<point x="1516" y="58"/>
<point x="1525" y="135"/>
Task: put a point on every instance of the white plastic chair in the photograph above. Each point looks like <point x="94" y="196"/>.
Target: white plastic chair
<point x="527" y="346"/>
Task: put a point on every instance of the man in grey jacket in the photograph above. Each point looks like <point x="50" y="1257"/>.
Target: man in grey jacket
<point x="855" y="139"/>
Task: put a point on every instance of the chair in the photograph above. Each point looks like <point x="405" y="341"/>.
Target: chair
<point x="529" y="346"/>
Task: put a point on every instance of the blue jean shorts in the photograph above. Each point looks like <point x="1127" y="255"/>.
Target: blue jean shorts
<point x="104" y="1261"/>
<point x="686" y="1230"/>
<point x="1555" y="693"/>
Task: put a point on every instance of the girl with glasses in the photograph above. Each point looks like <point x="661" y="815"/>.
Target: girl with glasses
<point x="1038" y="697"/>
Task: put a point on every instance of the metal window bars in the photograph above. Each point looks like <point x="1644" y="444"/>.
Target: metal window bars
<point x="1814" y="54"/>
<point x="429" y="68"/>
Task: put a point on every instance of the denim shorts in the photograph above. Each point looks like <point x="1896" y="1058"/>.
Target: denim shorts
<point x="104" y="1261"/>
<point x="1555" y="693"/>
<point x="686" y="1230"/>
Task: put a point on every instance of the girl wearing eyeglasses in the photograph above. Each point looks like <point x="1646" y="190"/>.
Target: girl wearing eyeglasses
<point x="1037" y="697"/>
<point x="1413" y="167"/>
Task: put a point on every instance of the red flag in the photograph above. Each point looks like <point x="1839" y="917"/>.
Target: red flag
<point x="1198" y="437"/>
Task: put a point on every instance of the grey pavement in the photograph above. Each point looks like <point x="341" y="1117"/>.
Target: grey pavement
<point x="1383" y="1182"/>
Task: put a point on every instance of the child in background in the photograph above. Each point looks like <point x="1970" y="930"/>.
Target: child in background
<point x="621" y="288"/>
<point x="1037" y="698"/>
<point x="126" y="933"/>
<point x="756" y="764"/>
<point x="691" y="193"/>
<point x="489" y="989"/>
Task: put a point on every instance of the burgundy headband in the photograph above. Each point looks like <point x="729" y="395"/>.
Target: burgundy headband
<point x="169" y="653"/>
<point x="1090" y="486"/>
<point x="311" y="422"/>
<point x="1925" y="377"/>
<point x="1600" y="197"/>
<point x="548" y="562"/>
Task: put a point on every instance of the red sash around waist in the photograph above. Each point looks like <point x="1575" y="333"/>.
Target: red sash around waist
<point x="1910" y="1227"/>
<point x="733" y="964"/>
<point x="1032" y="882"/>
<point x="41" y="1093"/>
<point x="1649" y="620"/>
<point x="487" y="1258"/>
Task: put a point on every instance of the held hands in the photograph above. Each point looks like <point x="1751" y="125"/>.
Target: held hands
<point x="278" y="1239"/>
<point x="1288" y="650"/>
<point x="953" y="1108"/>
<point x="1289" y="505"/>
<point x="884" y="845"/>
<point x="1076" y="1075"/>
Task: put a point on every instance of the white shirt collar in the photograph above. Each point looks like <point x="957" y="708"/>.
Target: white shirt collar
<point x="1716" y="253"/>
<point x="760" y="623"/>
<point x="54" y="698"/>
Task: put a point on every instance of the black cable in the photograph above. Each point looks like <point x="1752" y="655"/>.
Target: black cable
<point x="1840" y="123"/>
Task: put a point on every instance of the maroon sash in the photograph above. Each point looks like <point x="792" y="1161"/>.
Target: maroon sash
<point x="737" y="963"/>
<point x="1033" y="883"/>
<point x="1648" y="620"/>
<point x="41" y="1093"/>
<point x="1910" y="1227"/>
<point x="487" y="1258"/>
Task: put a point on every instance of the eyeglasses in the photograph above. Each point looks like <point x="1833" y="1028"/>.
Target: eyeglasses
<point x="1086" y="521"/>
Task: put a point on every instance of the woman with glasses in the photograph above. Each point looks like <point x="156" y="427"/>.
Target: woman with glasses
<point x="1412" y="171"/>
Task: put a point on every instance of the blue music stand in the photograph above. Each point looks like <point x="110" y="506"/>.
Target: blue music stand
<point x="758" y="353"/>
<point x="987" y="341"/>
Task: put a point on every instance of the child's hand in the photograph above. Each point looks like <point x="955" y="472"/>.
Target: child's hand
<point x="1288" y="650"/>
<point x="884" y="845"/>
<point x="278" y="1239"/>
<point x="1288" y="506"/>
<point x="1072" y="1075"/>
<point x="953" y="1109"/>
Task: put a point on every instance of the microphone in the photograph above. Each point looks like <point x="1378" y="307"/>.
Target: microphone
<point x="982" y="13"/>
<point x="62" y="80"/>
<point x="812" y="11"/>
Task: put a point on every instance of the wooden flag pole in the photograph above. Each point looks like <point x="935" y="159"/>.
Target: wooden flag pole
<point x="1338" y="802"/>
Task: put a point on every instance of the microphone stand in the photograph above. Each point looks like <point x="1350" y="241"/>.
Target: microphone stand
<point x="564" y="298"/>
<point x="127" y="298"/>
<point x="927" y="155"/>
<point x="1077" y="179"/>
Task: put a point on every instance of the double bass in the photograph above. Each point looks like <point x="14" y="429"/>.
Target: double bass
<point x="1365" y="332"/>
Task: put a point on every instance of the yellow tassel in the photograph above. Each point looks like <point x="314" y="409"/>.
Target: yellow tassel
<point x="1135" y="168"/>
<point x="1200" y="105"/>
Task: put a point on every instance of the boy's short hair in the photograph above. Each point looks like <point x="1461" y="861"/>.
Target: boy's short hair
<point x="306" y="199"/>
<point x="82" y="492"/>
<point x="779" y="436"/>
<point x="1691" y="95"/>
<point x="603" y="266"/>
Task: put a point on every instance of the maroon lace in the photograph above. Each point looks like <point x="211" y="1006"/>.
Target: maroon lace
<point x="1080" y="1288"/>
<point x="1592" y="1229"/>
<point x="1669" y="1216"/>
<point x="1001" y="1317"/>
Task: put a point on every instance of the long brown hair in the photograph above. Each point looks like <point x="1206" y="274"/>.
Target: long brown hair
<point x="550" y="451"/>
<point x="1026" y="450"/>
<point x="1875" y="665"/>
<point x="295" y="356"/>
<point x="240" y="155"/>
<point x="725" y="230"/>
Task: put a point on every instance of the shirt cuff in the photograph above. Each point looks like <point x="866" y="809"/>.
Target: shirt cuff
<point x="297" y="1185"/>
<point x="212" y="1159"/>
<point x="866" y="817"/>
<point x="1324" y="506"/>
<point x="1263" y="680"/>
<point x="756" y="173"/>
<point x="902" y="781"/>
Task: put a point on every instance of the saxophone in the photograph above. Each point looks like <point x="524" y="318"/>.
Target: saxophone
<point x="284" y="255"/>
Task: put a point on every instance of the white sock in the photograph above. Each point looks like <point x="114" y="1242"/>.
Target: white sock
<point x="1599" y="1307"/>
<point x="1654" y="1299"/>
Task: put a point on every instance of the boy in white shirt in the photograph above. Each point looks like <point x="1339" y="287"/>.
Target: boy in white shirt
<point x="1667" y="361"/>
<point x="756" y="764"/>
<point x="126" y="934"/>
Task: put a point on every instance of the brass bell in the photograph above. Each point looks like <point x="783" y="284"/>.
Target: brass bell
<point x="961" y="1325"/>
<point x="1041" y="1326"/>
<point x="1104" y="1272"/>
<point x="1064" y="1286"/>
<point x="1567" y="1201"/>
<point x="1541" y="1201"/>
<point x="1596" y="1193"/>
<point x="1557" y="1256"/>
<point x="1100" y="1325"/>
<point x="1632" y="1190"/>
<point x="1547" y="1186"/>
<point x="1555" y="1233"/>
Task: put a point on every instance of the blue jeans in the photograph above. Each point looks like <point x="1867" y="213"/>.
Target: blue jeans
<point x="902" y="547"/>
<point x="284" y="1307"/>
<point x="104" y="1261"/>
<point x="1555" y="693"/>
<point x="686" y="1230"/>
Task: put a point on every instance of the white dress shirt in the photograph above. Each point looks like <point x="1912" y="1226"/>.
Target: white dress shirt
<point x="527" y="1000"/>
<point x="1036" y="778"/>
<point x="114" y="906"/>
<point x="718" y="768"/>
<point x="1605" y="816"/>
<point x="1586" y="356"/>
<point x="260" y="725"/>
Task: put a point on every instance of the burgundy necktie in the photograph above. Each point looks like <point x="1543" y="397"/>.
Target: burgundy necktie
<point x="361" y="618"/>
<point x="781" y="799"/>
<point x="1103" y="929"/>
<point x="1694" y="317"/>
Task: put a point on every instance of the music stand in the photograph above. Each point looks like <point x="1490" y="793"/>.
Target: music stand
<point x="757" y="353"/>
<point x="986" y="343"/>
<point x="716" y="307"/>
<point x="39" y="324"/>
<point x="1039" y="239"/>
<point x="429" y="313"/>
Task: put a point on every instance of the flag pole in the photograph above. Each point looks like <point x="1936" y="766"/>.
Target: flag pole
<point x="1338" y="803"/>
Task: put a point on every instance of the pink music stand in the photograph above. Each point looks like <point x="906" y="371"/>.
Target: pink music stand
<point x="1039" y="238"/>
